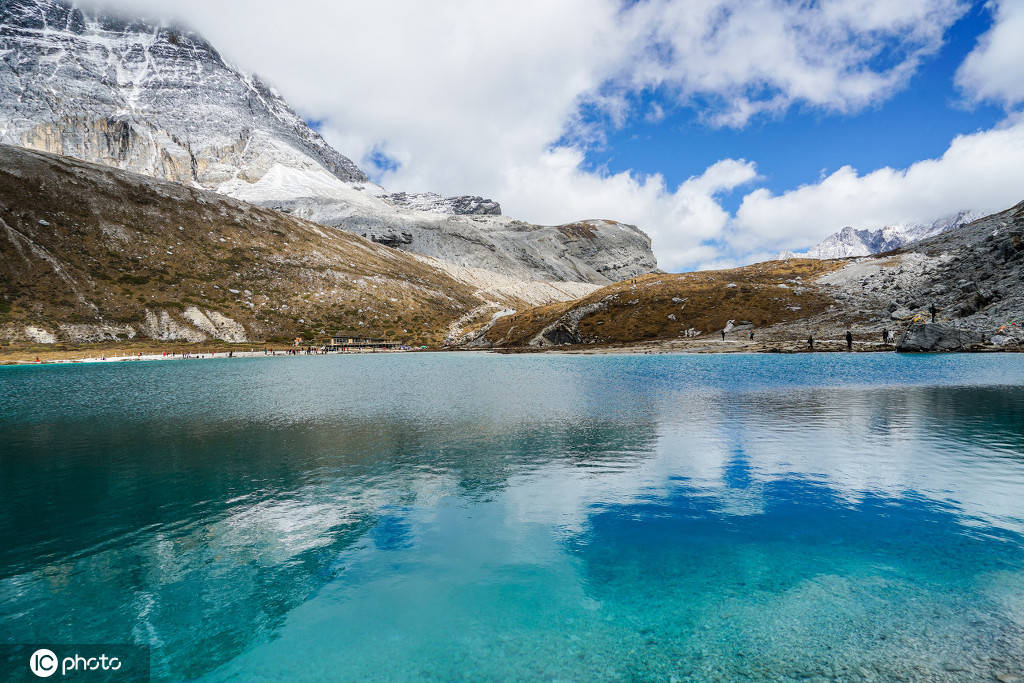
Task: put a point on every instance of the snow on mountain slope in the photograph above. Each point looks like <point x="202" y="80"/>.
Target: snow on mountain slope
<point x="852" y="242"/>
<point x="154" y="99"/>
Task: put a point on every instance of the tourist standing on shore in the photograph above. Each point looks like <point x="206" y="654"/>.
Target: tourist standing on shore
<point x="849" y="341"/>
<point x="723" y="335"/>
<point x="885" y="335"/>
<point x="810" y="342"/>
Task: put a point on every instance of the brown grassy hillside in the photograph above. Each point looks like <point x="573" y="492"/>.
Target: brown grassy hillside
<point x="672" y="306"/>
<point x="89" y="253"/>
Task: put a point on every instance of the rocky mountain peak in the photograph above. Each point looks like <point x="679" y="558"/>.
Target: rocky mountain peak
<point x="148" y="97"/>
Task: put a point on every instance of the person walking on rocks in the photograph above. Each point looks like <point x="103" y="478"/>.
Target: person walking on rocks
<point x="885" y="335"/>
<point x="933" y="311"/>
<point x="810" y="342"/>
<point x="849" y="341"/>
<point x="723" y="335"/>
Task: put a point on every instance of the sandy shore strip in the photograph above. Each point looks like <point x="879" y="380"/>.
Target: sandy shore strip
<point x="120" y="356"/>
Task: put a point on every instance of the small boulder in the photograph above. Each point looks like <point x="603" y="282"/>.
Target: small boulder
<point x="984" y="297"/>
<point x="937" y="337"/>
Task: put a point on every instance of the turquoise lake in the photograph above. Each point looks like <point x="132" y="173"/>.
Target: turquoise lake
<point x="486" y="517"/>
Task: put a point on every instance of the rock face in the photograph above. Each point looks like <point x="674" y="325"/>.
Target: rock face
<point x="566" y="329"/>
<point x="852" y="242"/>
<point x="159" y="100"/>
<point x="938" y="337"/>
<point x="435" y="203"/>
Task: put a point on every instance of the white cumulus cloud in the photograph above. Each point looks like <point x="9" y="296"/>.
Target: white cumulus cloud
<point x="993" y="70"/>
<point x="749" y="57"/>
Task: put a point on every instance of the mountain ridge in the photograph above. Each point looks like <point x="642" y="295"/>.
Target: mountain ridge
<point x="851" y="241"/>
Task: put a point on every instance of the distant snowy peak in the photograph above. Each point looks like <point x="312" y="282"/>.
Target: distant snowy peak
<point x="434" y="203"/>
<point x="853" y="242"/>
<point x="147" y="97"/>
<point x="916" y="233"/>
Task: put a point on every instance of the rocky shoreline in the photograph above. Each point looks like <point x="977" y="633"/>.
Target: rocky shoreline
<point x="710" y="346"/>
<point x="914" y="341"/>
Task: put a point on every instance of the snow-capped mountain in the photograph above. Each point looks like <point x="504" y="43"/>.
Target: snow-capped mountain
<point x="852" y="242"/>
<point x="159" y="100"/>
